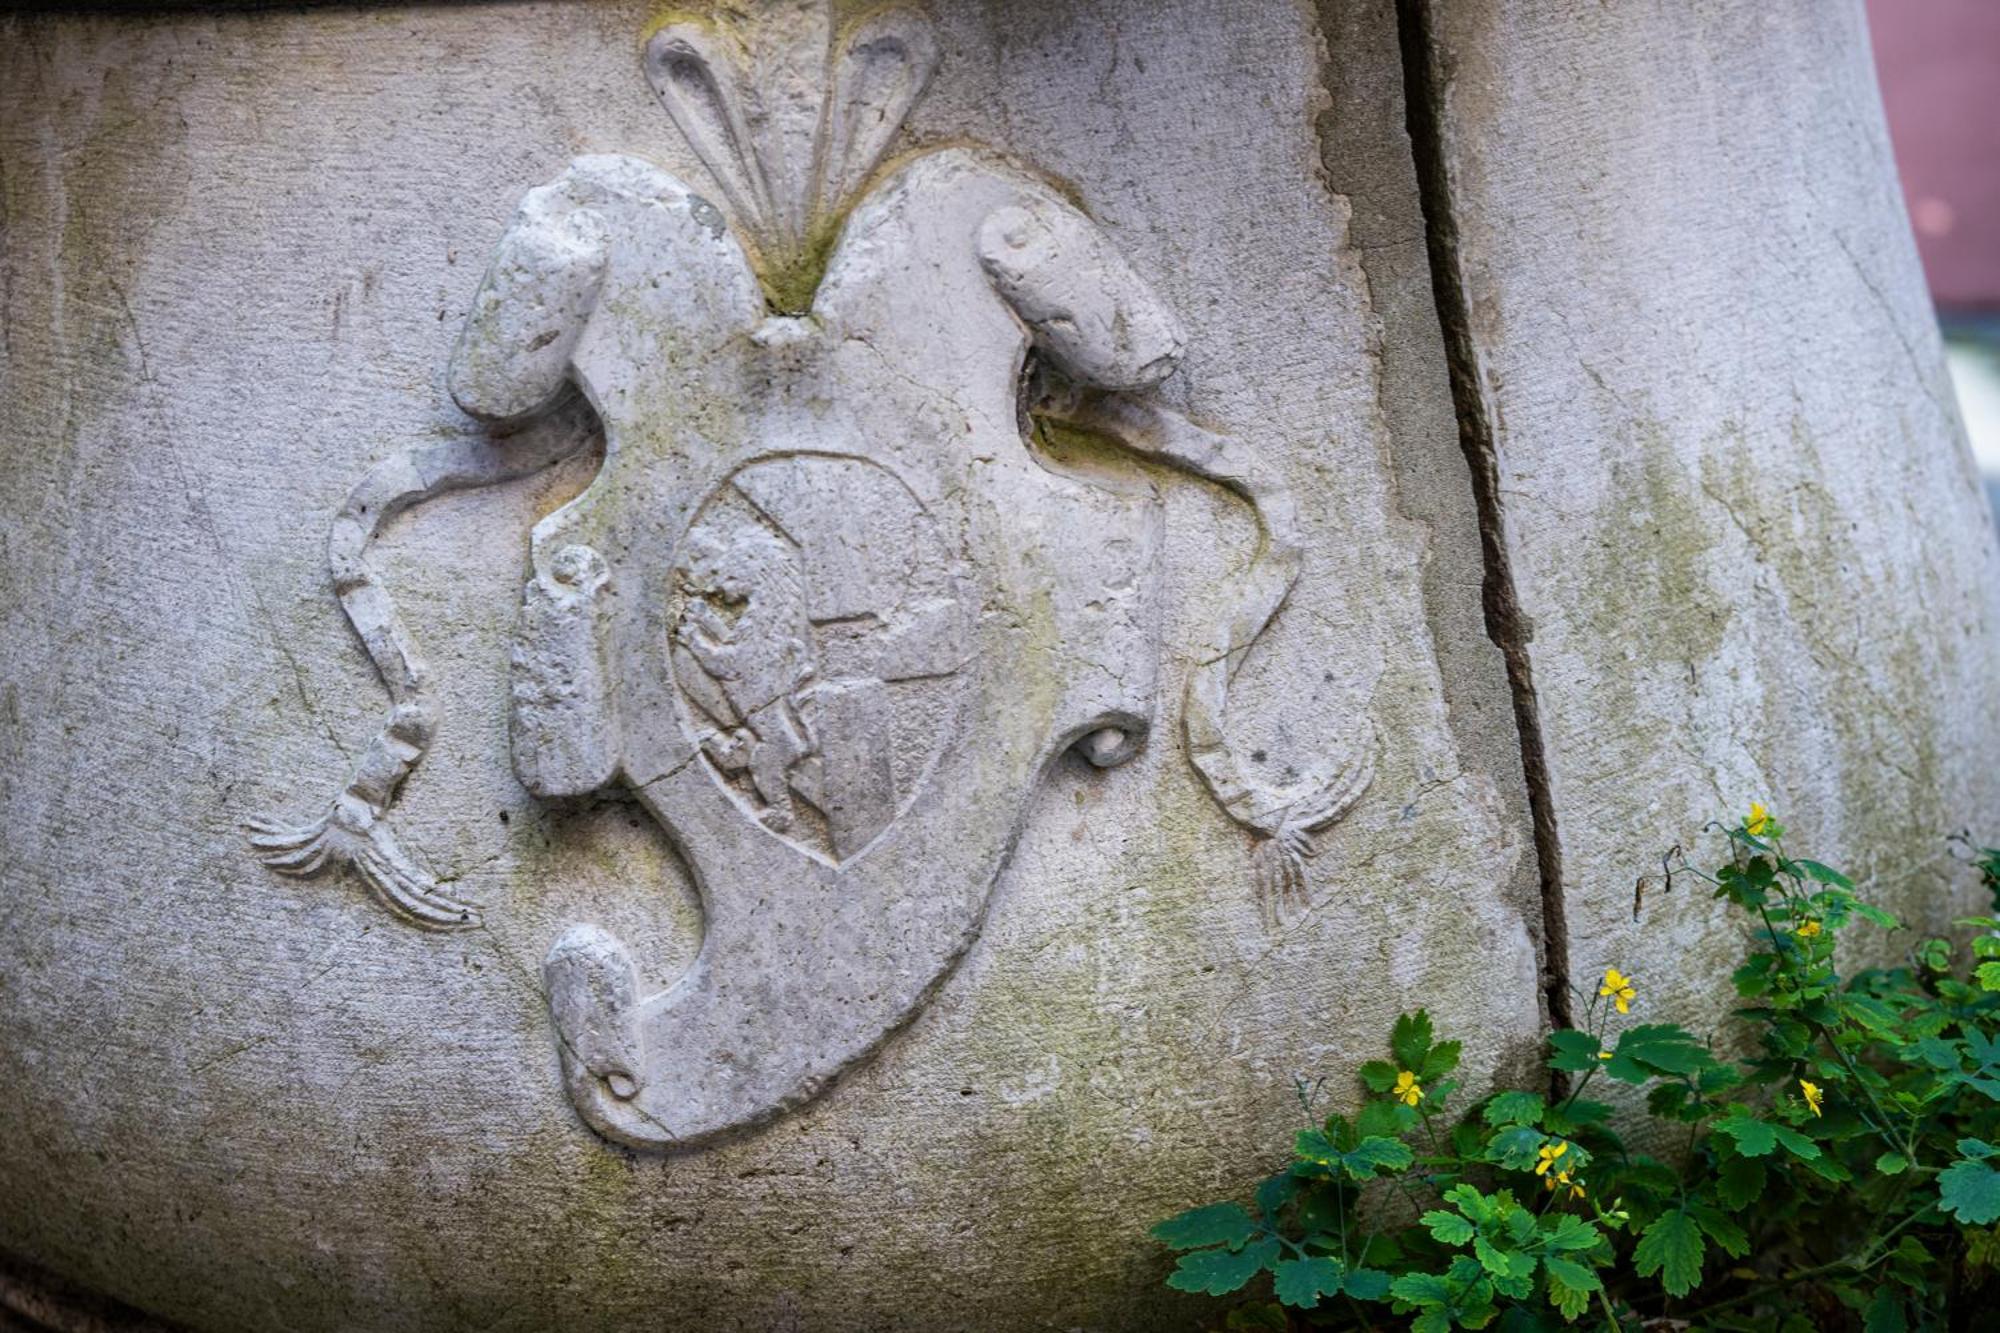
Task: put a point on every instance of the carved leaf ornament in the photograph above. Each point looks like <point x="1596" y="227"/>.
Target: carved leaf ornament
<point x="822" y="611"/>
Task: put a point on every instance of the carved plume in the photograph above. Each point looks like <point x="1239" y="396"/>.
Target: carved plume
<point x="789" y="113"/>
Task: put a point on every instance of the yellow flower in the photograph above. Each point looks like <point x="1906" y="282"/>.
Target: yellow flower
<point x="1549" y="1153"/>
<point x="1407" y="1090"/>
<point x="1806" y="931"/>
<point x="1757" y="820"/>
<point x="1812" y="1095"/>
<point x="1561" y="1178"/>
<point x="1619" y="987"/>
<point x="1604" y="1055"/>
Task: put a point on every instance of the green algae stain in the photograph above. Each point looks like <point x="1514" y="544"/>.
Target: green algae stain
<point x="1650" y="575"/>
<point x="1824" y="638"/>
<point x="791" y="279"/>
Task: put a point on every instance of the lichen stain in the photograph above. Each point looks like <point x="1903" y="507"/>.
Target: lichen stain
<point x="1819" y="641"/>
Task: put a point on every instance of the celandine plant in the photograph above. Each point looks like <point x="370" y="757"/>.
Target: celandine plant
<point x="1845" y="1176"/>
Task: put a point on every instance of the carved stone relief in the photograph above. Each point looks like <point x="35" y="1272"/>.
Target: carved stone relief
<point x="819" y="629"/>
<point x="826" y="610"/>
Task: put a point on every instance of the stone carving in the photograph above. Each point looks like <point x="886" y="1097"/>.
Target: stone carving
<point x="824" y="611"/>
<point x="819" y="633"/>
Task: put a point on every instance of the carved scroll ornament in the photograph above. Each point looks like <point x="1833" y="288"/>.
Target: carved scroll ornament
<point x="824" y="611"/>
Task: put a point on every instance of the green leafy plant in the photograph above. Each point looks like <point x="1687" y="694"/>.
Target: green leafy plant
<point x="1843" y="1174"/>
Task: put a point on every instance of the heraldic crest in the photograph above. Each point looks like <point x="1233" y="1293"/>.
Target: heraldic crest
<point x="826" y="610"/>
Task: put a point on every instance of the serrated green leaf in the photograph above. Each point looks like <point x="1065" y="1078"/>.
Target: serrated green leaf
<point x="1502" y="1263"/>
<point x="1910" y="1250"/>
<point x="1410" y="1041"/>
<point x="1388" y="1119"/>
<point x="1987" y="975"/>
<point x="1301" y="1282"/>
<point x="1718" y="1077"/>
<point x="1722" y="1229"/>
<point x="1753" y="978"/>
<point x="1970" y="1191"/>
<point x="1569" y="1298"/>
<point x="1465" y="1271"/>
<point x="1440" y="1060"/>
<point x="1982" y="1251"/>
<point x="1742" y="888"/>
<point x="1214" y="1224"/>
<point x="1366" y="1284"/>
<point x="1671" y="1247"/>
<point x="1374" y="1155"/>
<point x="1871" y="913"/>
<point x="1892" y="1164"/>
<point x="1431" y="1321"/>
<point x="1977" y="1149"/>
<point x="1567" y="1231"/>
<point x="1516" y="1147"/>
<point x="1421" y="1289"/>
<point x="1885" y="1312"/>
<point x="1572" y="1274"/>
<point x="1275" y="1192"/>
<point x="1515" y="1108"/>
<point x="1468" y="1200"/>
<point x="1220" y="1271"/>
<point x="1882" y="1019"/>
<point x="1752" y="1137"/>
<point x="1310" y="1145"/>
<point x="1572" y="1051"/>
<point x="1447" y="1228"/>
<point x="1796" y="1143"/>
<point x="1823" y="873"/>
<point x="1740" y="1182"/>
<point x="1318" y="1207"/>
<point x="1379" y="1075"/>
<point x="1936" y="1052"/>
<point x="1656" y="1048"/>
<point x="1648" y="1175"/>
<point x="1384" y="1248"/>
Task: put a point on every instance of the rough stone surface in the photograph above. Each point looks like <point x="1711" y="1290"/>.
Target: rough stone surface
<point x="1749" y="549"/>
<point x="240" y="250"/>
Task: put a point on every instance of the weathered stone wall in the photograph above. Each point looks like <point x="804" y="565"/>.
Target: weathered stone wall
<point x="1749" y="556"/>
<point x="238" y="249"/>
<point x="1710" y="534"/>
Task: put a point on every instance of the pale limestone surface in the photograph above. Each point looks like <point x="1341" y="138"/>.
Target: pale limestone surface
<point x="1746" y="535"/>
<point x="1749" y="555"/>
<point x="239" y="251"/>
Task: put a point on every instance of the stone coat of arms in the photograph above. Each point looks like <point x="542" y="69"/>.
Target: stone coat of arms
<point x="826" y="610"/>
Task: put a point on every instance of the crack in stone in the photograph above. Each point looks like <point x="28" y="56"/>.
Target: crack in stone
<point x="1424" y="81"/>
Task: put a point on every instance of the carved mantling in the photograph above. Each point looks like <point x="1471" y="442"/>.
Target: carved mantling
<point x="824" y="611"/>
